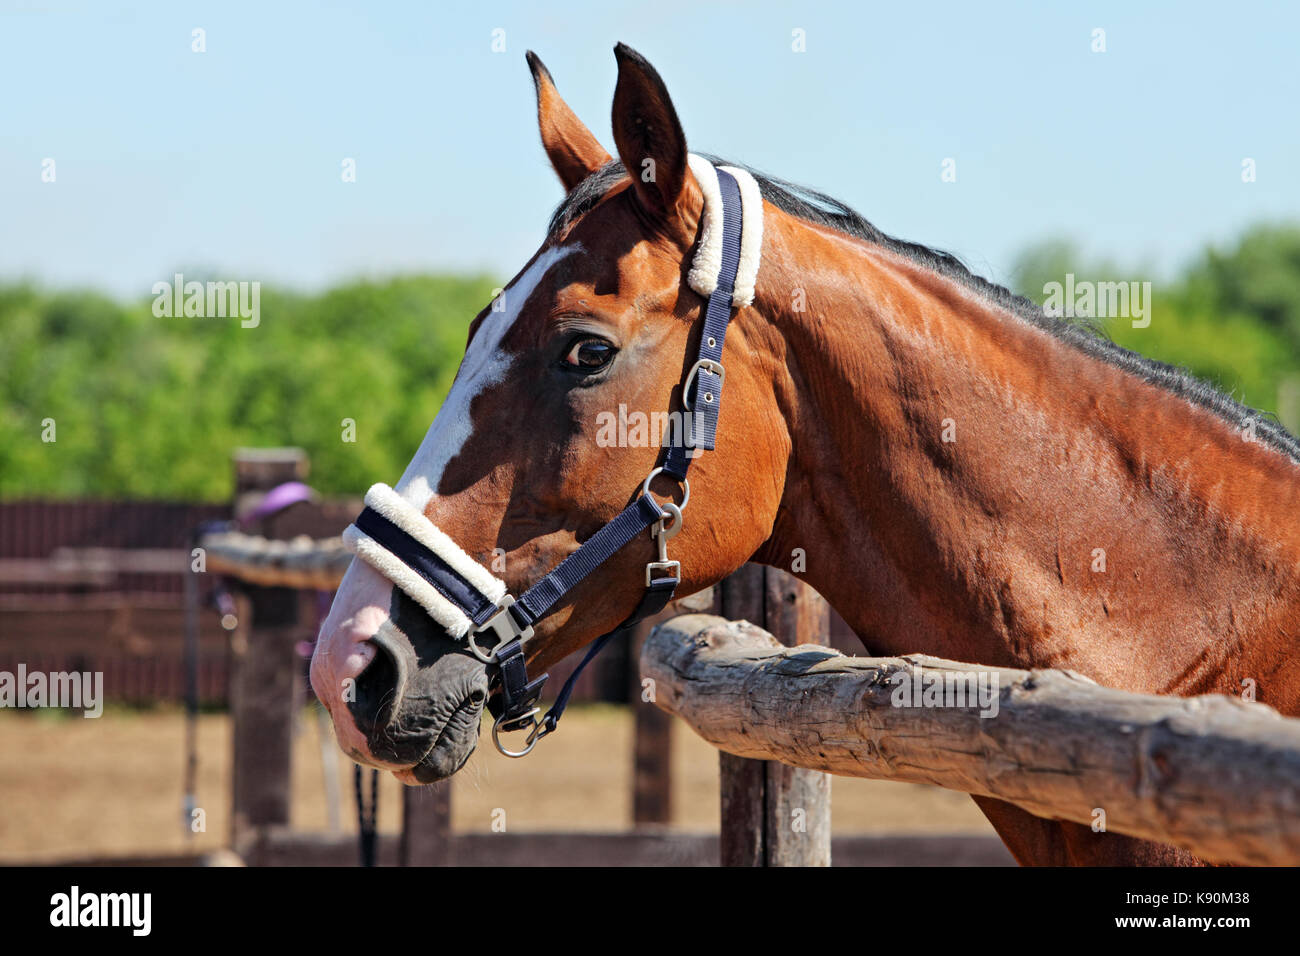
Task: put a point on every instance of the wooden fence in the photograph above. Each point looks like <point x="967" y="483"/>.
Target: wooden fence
<point x="1216" y="775"/>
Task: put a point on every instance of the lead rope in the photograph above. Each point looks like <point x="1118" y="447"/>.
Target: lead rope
<point x="366" y="817"/>
<point x="219" y="598"/>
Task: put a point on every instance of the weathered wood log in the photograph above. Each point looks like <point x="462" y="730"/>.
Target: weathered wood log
<point x="1217" y="775"/>
<point x="302" y="562"/>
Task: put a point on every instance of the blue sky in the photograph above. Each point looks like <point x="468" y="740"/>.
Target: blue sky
<point x="229" y="160"/>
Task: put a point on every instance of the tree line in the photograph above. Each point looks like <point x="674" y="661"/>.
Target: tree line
<point x="142" y="406"/>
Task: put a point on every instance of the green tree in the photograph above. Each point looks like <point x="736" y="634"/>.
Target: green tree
<point x="1232" y="319"/>
<point x="152" y="407"/>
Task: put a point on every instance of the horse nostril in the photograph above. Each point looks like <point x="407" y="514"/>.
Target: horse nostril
<point x="375" y="698"/>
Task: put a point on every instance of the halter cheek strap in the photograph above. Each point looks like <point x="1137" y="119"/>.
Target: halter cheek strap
<point x="472" y="604"/>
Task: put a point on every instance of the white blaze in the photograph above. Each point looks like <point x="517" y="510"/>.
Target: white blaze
<point x="344" y="648"/>
<point x="484" y="365"/>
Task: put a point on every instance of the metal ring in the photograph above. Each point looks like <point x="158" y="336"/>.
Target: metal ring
<point x="686" y="486"/>
<point x="533" y="734"/>
<point x="674" y="512"/>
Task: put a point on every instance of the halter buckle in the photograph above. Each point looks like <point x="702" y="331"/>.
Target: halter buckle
<point x="709" y="365"/>
<point x="506" y="628"/>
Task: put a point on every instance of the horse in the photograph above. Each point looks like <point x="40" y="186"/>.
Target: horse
<point x="961" y="473"/>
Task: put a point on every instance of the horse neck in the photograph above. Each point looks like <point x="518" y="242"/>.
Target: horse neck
<point x="966" y="484"/>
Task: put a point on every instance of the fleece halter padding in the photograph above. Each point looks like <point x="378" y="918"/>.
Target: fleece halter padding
<point x="441" y="578"/>
<point x="707" y="265"/>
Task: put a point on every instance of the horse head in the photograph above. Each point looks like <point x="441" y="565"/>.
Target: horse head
<point x="548" y="434"/>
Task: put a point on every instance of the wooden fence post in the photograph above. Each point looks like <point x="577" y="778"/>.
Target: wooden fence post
<point x="652" y="789"/>
<point x="652" y="777"/>
<point x="264" y="667"/>
<point x="426" y="826"/>
<point x="774" y="815"/>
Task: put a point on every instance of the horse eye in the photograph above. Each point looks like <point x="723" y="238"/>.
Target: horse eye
<point x="590" y="354"/>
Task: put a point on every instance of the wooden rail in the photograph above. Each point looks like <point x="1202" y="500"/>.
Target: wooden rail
<point x="303" y="562"/>
<point x="1217" y="775"/>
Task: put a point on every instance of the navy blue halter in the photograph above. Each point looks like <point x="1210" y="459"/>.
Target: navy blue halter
<point x="512" y="620"/>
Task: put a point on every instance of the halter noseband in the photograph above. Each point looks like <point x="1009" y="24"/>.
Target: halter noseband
<point x="470" y="603"/>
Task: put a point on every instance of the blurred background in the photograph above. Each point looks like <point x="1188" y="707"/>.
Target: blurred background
<point x="378" y="172"/>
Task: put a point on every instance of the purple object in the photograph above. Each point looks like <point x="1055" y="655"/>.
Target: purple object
<point x="277" y="499"/>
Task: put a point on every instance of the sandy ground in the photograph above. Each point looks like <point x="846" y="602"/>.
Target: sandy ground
<point x="77" y="788"/>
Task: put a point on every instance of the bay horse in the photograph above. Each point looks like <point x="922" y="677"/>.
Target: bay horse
<point x="966" y="476"/>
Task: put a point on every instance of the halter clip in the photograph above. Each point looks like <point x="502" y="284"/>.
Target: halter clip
<point x="506" y="628"/>
<point x="662" y="532"/>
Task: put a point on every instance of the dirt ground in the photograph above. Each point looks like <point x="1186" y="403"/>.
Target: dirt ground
<point x="72" y="788"/>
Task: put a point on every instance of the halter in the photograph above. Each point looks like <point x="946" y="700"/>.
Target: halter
<point x="470" y="603"/>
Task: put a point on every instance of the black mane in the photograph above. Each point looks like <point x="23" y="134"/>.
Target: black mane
<point x="817" y="207"/>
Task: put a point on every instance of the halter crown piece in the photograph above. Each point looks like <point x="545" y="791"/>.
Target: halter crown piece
<point x="473" y="605"/>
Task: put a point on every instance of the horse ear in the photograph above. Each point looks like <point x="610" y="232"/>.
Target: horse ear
<point x="573" y="150"/>
<point x="648" y="134"/>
